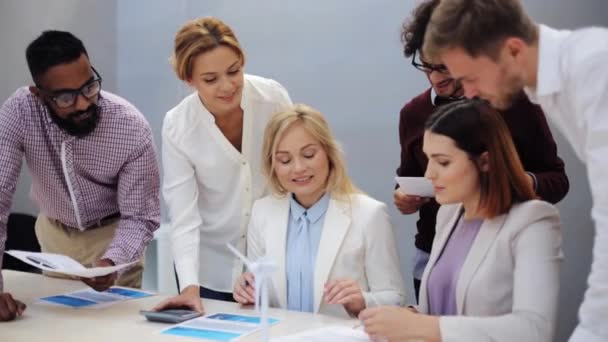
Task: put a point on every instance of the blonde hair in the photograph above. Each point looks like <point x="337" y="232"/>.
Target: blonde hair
<point x="199" y="36"/>
<point x="338" y="182"/>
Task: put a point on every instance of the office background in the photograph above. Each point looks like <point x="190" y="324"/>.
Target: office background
<point x="340" y="56"/>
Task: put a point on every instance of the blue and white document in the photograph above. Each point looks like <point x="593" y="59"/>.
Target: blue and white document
<point x="218" y="327"/>
<point x="89" y="298"/>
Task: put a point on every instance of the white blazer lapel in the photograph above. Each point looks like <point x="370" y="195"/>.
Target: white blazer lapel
<point x="276" y="239"/>
<point x="485" y="238"/>
<point x="336" y="225"/>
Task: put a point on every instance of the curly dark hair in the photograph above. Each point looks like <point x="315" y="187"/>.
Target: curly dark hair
<point x="414" y="28"/>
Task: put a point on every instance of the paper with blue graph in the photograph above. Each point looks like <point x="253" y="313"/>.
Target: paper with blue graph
<point x="218" y="327"/>
<point x="88" y="298"/>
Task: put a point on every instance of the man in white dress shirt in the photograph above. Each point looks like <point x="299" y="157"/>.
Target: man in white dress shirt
<point x="495" y="50"/>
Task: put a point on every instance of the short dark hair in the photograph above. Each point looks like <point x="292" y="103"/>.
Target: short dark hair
<point x="476" y="127"/>
<point x="52" y="48"/>
<point x="414" y="28"/>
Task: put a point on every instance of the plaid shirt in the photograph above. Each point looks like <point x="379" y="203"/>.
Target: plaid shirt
<point x="79" y="181"/>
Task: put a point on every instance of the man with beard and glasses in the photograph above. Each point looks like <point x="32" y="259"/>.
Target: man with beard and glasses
<point x="497" y="50"/>
<point x="526" y="121"/>
<point x="92" y="160"/>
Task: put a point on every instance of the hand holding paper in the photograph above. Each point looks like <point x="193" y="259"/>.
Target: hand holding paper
<point x="416" y="186"/>
<point x="101" y="283"/>
<point x="65" y="265"/>
<point x="408" y="204"/>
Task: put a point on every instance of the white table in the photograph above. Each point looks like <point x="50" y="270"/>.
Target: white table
<point x="119" y="322"/>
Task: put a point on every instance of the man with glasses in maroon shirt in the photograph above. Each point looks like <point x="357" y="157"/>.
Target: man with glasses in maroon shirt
<point x="93" y="163"/>
<point x="533" y="140"/>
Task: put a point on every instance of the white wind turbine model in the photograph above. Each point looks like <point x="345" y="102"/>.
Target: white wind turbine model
<point x="262" y="269"/>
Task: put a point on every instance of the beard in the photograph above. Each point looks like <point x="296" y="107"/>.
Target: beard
<point x="74" y="123"/>
<point x="511" y="91"/>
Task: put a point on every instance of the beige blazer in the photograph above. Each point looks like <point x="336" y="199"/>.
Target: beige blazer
<point x="508" y="286"/>
<point x="357" y="242"/>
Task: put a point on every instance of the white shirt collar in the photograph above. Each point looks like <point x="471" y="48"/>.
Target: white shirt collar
<point x="433" y="95"/>
<point x="548" y="75"/>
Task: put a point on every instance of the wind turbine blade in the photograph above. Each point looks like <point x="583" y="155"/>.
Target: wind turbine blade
<point x="240" y="255"/>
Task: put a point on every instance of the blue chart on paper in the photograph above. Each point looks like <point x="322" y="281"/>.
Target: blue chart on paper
<point x="201" y="333"/>
<point x="85" y="298"/>
<point x="240" y="318"/>
<point x="69" y="301"/>
<point x="127" y="292"/>
<point x="218" y="327"/>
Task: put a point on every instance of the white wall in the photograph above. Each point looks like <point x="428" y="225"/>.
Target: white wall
<point x="21" y="21"/>
<point x="341" y="56"/>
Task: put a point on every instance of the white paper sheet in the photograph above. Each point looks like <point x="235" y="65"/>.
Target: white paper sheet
<point x="63" y="264"/>
<point x="334" y="334"/>
<point x="416" y="186"/>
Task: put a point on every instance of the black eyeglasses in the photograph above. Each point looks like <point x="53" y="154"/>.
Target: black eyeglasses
<point x="427" y="67"/>
<point x="67" y="98"/>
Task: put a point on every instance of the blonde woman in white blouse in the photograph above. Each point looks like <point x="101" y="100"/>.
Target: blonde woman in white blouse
<point x="211" y="146"/>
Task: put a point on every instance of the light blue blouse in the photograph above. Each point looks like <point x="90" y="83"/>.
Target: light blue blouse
<point x="303" y="236"/>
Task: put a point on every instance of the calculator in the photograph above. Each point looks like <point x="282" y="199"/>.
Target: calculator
<point x="170" y="315"/>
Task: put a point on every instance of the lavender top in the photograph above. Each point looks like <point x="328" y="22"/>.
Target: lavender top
<point x="441" y="285"/>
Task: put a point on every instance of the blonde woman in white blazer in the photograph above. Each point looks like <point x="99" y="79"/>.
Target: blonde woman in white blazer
<point x="493" y="273"/>
<point x="345" y="259"/>
<point x="212" y="141"/>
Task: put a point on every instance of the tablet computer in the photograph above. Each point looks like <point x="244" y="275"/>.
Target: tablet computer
<point x="170" y="315"/>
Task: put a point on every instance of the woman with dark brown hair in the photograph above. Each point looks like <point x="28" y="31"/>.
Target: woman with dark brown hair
<point x="493" y="273"/>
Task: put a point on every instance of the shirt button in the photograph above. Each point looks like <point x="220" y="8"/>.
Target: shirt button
<point x="244" y="163"/>
<point x="243" y="236"/>
<point x="247" y="189"/>
<point x="246" y="214"/>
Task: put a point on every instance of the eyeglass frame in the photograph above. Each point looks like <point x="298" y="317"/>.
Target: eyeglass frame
<point x="77" y="92"/>
<point x="428" y="68"/>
